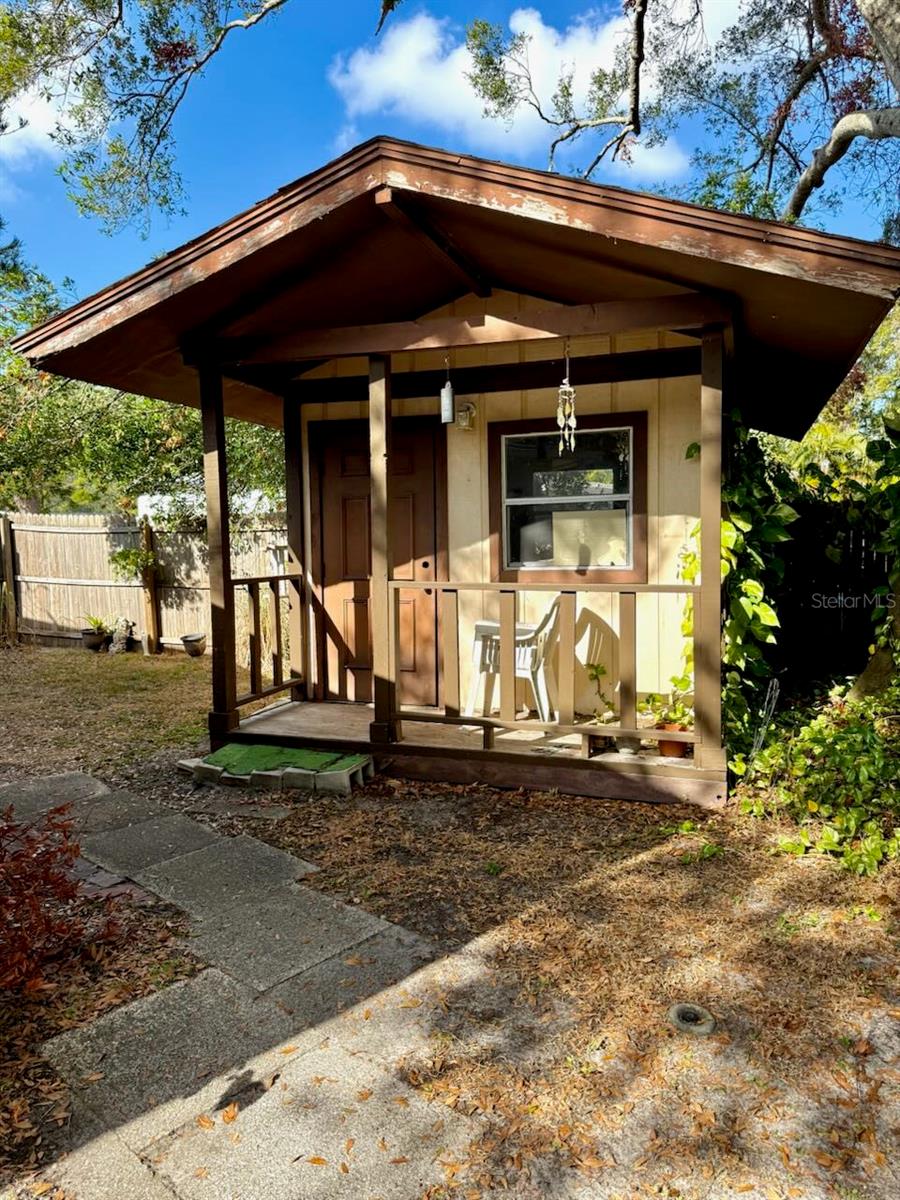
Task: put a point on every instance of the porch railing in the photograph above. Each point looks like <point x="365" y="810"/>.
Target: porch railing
<point x="450" y="711"/>
<point x="264" y="636"/>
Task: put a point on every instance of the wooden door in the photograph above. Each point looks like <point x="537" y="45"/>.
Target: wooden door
<point x="342" y="560"/>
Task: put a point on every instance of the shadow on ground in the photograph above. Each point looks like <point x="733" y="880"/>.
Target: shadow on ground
<point x="470" y="997"/>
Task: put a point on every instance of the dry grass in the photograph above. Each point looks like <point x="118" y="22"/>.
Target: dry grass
<point x="600" y="917"/>
<point x="68" y="710"/>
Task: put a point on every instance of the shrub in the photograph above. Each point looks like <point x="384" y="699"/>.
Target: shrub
<point x="40" y="917"/>
<point x="836" y="772"/>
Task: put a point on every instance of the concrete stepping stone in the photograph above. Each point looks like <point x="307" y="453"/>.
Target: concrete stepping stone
<point x="100" y="1164"/>
<point x="274" y="937"/>
<point x="328" y="1108"/>
<point x="139" y="1068"/>
<point x="131" y="848"/>
<point x="32" y="798"/>
<point x="227" y="873"/>
<point x="114" y="810"/>
<point x="333" y="987"/>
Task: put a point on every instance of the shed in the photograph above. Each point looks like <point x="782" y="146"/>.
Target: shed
<point x="428" y="560"/>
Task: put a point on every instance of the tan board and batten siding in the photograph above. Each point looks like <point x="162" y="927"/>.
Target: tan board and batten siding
<point x="673" y="488"/>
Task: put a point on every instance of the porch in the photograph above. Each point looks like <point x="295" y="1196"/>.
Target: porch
<point x="459" y="741"/>
<point x="527" y="756"/>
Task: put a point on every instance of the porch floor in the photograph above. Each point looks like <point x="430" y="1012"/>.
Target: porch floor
<point x="520" y="757"/>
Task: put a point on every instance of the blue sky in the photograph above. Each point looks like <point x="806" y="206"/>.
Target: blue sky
<point x="289" y="95"/>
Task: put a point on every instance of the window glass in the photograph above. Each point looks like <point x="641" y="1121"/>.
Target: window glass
<point x="572" y="511"/>
<point x="600" y="465"/>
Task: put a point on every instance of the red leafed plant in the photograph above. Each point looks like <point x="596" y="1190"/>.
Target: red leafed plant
<point x="41" y="917"/>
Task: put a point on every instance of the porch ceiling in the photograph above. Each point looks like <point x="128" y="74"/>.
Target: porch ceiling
<point x="334" y="249"/>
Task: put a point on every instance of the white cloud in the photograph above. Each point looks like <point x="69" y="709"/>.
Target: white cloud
<point x="417" y="73"/>
<point x="21" y="148"/>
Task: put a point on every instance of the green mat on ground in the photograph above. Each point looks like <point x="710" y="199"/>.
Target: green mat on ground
<point x="239" y="759"/>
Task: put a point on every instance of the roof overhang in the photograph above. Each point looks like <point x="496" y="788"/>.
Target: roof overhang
<point x="391" y="231"/>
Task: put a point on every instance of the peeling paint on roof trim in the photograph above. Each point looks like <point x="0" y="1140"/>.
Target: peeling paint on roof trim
<point x="771" y="247"/>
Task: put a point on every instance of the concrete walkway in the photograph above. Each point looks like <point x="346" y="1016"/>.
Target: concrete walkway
<point x="304" y="1019"/>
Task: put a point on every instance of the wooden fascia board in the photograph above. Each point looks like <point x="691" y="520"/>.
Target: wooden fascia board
<point x="301" y="204"/>
<point x="510" y="377"/>
<point x="827" y="259"/>
<point x="619" y="213"/>
<point x="683" y="312"/>
<point x="437" y="243"/>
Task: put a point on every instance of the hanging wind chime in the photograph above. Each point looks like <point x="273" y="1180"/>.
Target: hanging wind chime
<point x="448" y="401"/>
<point x="565" y="413"/>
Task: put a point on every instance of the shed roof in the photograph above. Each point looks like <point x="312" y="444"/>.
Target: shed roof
<point x="321" y="253"/>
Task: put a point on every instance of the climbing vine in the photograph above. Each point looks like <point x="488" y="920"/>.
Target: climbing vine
<point x="832" y="762"/>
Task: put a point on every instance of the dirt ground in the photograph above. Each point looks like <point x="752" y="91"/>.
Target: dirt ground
<point x="599" y="916"/>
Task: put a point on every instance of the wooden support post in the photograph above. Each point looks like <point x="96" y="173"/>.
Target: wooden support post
<point x="565" y="681"/>
<point x="627" y="660"/>
<point x="223" y="717"/>
<point x="385" y="727"/>
<point x="450" y="647"/>
<point x="708" y="614"/>
<point x="150" y="590"/>
<point x="298" y="641"/>
<point x="8" y="618"/>
<point x="507" y="656"/>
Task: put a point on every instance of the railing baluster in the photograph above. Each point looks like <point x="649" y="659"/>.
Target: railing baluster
<point x="566" y="669"/>
<point x="627" y="660"/>
<point x="699" y="698"/>
<point x="277" y="635"/>
<point x="507" y="655"/>
<point x="450" y="646"/>
<point x="255" y="639"/>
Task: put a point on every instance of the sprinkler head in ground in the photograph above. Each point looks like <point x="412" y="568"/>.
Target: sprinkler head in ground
<point x="691" y="1018"/>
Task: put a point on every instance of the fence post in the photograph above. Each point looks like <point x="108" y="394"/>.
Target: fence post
<point x="151" y="594"/>
<point x="7" y="562"/>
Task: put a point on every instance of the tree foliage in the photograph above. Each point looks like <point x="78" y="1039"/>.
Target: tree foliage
<point x="791" y="89"/>
<point x="68" y="445"/>
<point x="118" y="72"/>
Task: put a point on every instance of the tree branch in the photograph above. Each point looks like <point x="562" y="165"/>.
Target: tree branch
<point x="874" y="124"/>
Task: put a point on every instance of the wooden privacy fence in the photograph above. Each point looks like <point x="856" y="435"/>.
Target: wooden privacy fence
<point x="57" y="569"/>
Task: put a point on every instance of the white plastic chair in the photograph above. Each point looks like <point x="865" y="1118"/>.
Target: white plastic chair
<point x="532" y="642"/>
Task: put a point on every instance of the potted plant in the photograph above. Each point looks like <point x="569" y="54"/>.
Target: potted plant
<point x="97" y="633"/>
<point x="674" y="716"/>
<point x="605" y="713"/>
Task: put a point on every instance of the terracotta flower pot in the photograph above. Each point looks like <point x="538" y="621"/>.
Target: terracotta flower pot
<point x="672" y="749"/>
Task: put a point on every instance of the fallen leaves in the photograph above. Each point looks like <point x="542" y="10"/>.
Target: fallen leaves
<point x="230" y="1113"/>
<point x="205" y="1122"/>
<point x="35" y="1101"/>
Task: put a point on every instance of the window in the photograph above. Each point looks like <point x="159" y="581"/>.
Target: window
<point x="580" y="512"/>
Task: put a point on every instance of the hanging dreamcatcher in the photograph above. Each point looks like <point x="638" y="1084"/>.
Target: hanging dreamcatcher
<point x="565" y="413"/>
